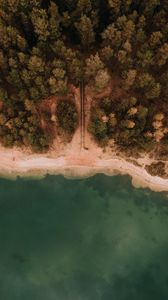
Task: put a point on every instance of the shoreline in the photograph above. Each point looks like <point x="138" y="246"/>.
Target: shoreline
<point x="16" y="163"/>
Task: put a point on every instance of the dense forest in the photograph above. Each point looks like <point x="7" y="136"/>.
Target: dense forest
<point x="46" y="45"/>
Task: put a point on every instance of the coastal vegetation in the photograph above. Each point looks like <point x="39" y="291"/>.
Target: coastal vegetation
<point x="48" y="46"/>
<point x="67" y="117"/>
<point x="157" y="169"/>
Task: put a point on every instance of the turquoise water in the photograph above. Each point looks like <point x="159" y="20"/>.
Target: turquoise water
<point x="91" y="239"/>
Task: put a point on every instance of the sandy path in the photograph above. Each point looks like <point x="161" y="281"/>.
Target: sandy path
<point x="72" y="161"/>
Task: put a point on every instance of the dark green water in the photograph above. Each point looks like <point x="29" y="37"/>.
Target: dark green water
<point x="92" y="239"/>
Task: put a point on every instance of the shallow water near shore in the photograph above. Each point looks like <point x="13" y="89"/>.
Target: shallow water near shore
<point x="91" y="239"/>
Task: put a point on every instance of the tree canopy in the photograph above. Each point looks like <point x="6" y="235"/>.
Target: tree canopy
<point x="45" y="45"/>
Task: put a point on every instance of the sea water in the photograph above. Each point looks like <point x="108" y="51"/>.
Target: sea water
<point x="90" y="239"/>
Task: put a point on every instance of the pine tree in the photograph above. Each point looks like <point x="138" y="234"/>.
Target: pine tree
<point x="85" y="31"/>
